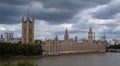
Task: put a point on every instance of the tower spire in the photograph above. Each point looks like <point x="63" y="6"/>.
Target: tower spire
<point x="90" y="30"/>
<point x="56" y="38"/>
<point x="22" y="19"/>
<point x="66" y="32"/>
<point x="66" y="36"/>
<point x="94" y="36"/>
<point x="28" y="14"/>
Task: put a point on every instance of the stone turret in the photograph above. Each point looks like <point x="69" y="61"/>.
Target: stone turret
<point x="56" y="38"/>
<point x="56" y="41"/>
<point x="27" y="30"/>
<point x="66" y="36"/>
<point x="90" y="36"/>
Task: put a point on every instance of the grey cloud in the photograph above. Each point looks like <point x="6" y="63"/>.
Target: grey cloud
<point x="72" y="4"/>
<point x="15" y="2"/>
<point x="10" y="14"/>
<point x="71" y="32"/>
<point x="55" y="18"/>
<point x="108" y="12"/>
<point x="67" y="9"/>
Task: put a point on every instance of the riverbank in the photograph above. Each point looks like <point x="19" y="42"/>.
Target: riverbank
<point x="2" y="59"/>
<point x="113" y="50"/>
<point x="72" y="53"/>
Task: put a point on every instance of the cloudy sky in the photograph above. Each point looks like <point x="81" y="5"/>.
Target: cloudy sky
<point x="53" y="16"/>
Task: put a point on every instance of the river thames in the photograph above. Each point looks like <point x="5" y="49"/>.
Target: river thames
<point x="94" y="59"/>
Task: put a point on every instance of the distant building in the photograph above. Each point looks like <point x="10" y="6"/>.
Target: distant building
<point x="76" y="39"/>
<point x="1" y="38"/>
<point x="27" y="30"/>
<point x="114" y="41"/>
<point x="8" y="37"/>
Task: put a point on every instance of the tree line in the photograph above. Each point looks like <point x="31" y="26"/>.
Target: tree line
<point x="20" y="63"/>
<point x="115" y="46"/>
<point x="14" y="49"/>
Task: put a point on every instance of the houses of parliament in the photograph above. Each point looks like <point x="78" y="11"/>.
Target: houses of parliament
<point x="55" y="47"/>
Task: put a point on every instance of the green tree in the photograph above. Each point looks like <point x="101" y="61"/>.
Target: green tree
<point x="12" y="49"/>
<point x="20" y="63"/>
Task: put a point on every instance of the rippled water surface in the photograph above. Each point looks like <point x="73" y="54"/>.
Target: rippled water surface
<point x="94" y="59"/>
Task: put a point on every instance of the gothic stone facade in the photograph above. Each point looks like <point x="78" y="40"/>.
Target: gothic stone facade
<point x="54" y="47"/>
<point x="27" y="30"/>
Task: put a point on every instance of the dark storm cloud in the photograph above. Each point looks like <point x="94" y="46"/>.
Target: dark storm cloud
<point x="109" y="11"/>
<point x="15" y="2"/>
<point x="10" y="13"/>
<point x="73" y="4"/>
<point x="12" y="10"/>
<point x="55" y="18"/>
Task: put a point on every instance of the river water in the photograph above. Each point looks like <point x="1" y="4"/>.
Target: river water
<point x="94" y="59"/>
